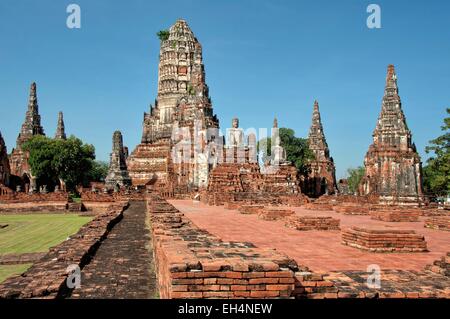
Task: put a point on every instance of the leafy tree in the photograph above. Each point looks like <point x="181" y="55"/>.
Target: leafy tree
<point x="163" y="35"/>
<point x="99" y="171"/>
<point x="354" y="178"/>
<point x="297" y="149"/>
<point x="73" y="161"/>
<point x="437" y="172"/>
<point x="41" y="155"/>
<point x="68" y="160"/>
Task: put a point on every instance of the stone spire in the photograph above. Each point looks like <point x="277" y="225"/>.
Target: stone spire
<point x="393" y="167"/>
<point x="4" y="163"/>
<point x="181" y="83"/>
<point x="316" y="138"/>
<point x="321" y="179"/>
<point x="118" y="173"/>
<point x="32" y="124"/>
<point x="391" y="129"/>
<point x="277" y="151"/>
<point x="60" y="131"/>
<point x="181" y="69"/>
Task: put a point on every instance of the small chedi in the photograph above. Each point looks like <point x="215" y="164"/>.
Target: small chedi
<point x="5" y="171"/>
<point x="180" y="119"/>
<point x="60" y="128"/>
<point x="280" y="176"/>
<point x="392" y="164"/>
<point x="118" y="174"/>
<point x="19" y="158"/>
<point x="322" y="176"/>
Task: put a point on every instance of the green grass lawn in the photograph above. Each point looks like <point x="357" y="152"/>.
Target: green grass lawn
<point x="9" y="270"/>
<point x="37" y="233"/>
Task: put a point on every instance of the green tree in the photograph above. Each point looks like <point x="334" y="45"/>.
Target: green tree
<point x="41" y="156"/>
<point x="73" y="161"/>
<point x="297" y="149"/>
<point x="99" y="171"/>
<point x="163" y="35"/>
<point x="68" y="160"/>
<point x="354" y="178"/>
<point x="436" y="173"/>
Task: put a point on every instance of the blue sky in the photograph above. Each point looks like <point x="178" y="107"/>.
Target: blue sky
<point x="262" y="58"/>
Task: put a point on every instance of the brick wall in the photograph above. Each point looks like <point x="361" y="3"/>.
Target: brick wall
<point x="20" y="197"/>
<point x="192" y="263"/>
<point x="47" y="277"/>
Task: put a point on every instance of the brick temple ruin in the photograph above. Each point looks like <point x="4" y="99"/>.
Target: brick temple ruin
<point x="5" y="171"/>
<point x="60" y="128"/>
<point x="118" y="174"/>
<point x="21" y="178"/>
<point x="238" y="177"/>
<point x="393" y="166"/>
<point x="182" y="102"/>
<point x="322" y="176"/>
<point x="194" y="214"/>
<point x="182" y="152"/>
<point x="19" y="158"/>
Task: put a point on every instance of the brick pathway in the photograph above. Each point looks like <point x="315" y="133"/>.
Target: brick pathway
<point x="123" y="265"/>
<point x="318" y="250"/>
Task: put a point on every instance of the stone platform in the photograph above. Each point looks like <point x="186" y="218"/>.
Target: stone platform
<point x="395" y="215"/>
<point x="312" y="223"/>
<point x="318" y="206"/>
<point x="383" y="239"/>
<point x="352" y="209"/>
<point x="438" y="222"/>
<point x="231" y="205"/>
<point x="274" y="214"/>
<point x="250" y="209"/>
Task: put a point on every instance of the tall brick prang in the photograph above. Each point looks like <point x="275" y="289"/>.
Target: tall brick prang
<point x="393" y="166"/>
<point x="180" y="117"/>
<point x="32" y="124"/>
<point x="322" y="177"/>
<point x="18" y="160"/>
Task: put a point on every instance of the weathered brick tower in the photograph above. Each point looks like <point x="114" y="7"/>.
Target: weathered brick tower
<point x="118" y="174"/>
<point x="60" y="128"/>
<point x="30" y="127"/>
<point x="393" y="167"/>
<point x="322" y="177"/>
<point x="32" y="124"/>
<point x="181" y="115"/>
<point x="5" y="171"/>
